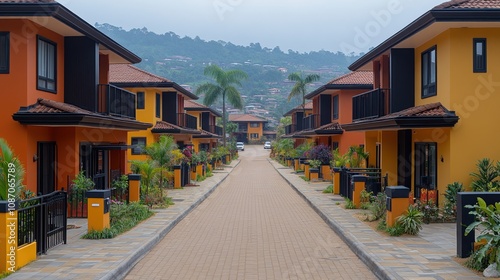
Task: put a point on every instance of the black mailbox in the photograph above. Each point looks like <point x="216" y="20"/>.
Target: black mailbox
<point x="107" y="205"/>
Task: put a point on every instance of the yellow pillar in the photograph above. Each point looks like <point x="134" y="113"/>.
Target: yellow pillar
<point x="313" y="174"/>
<point x="98" y="209"/>
<point x="193" y="173"/>
<point x="228" y="159"/>
<point x="296" y="164"/>
<point x="199" y="170"/>
<point x="326" y="172"/>
<point x="397" y="203"/>
<point x="8" y="236"/>
<point x="336" y="180"/>
<point x="306" y="170"/>
<point x="359" y="185"/>
<point x="177" y="176"/>
<point x="134" y="187"/>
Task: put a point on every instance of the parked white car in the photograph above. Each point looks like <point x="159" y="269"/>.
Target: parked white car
<point x="267" y="145"/>
<point x="240" y="146"/>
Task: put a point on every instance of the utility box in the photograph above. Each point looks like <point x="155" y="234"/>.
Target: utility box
<point x="99" y="203"/>
<point x="397" y="203"/>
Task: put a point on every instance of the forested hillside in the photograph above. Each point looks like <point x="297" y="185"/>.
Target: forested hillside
<point x="183" y="59"/>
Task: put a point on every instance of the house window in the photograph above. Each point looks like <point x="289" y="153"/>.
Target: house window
<point x="46" y="65"/>
<point x="335" y="145"/>
<point x="4" y="52"/>
<point x="429" y="73"/>
<point x="335" y="107"/>
<point x="138" y="145"/>
<point x="254" y="136"/>
<point x="140" y="100"/>
<point x="157" y="104"/>
<point x="479" y="59"/>
<point x="254" y="124"/>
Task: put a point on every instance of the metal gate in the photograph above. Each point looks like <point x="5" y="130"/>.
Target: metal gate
<point x="43" y="219"/>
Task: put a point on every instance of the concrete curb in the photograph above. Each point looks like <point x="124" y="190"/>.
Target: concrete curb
<point x="344" y="234"/>
<point x="126" y="265"/>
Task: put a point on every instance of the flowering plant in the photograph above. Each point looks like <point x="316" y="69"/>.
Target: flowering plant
<point x="321" y="153"/>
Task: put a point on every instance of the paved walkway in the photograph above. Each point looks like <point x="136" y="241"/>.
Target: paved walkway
<point x="427" y="256"/>
<point x="254" y="226"/>
<point x="113" y="258"/>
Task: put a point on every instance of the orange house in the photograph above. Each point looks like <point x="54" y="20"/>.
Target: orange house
<point x="59" y="112"/>
<point x="250" y="127"/>
<point x="294" y="129"/>
<point x="332" y="107"/>
<point x="159" y="101"/>
<point x="207" y="119"/>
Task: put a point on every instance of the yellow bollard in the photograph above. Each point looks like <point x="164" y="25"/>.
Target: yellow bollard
<point x="336" y="180"/>
<point x="134" y="187"/>
<point x="397" y="203"/>
<point x="306" y="170"/>
<point x="177" y="177"/>
<point x="359" y="182"/>
<point x="98" y="209"/>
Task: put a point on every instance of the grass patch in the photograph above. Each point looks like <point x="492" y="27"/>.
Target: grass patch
<point x="123" y="218"/>
<point x="305" y="178"/>
<point x="328" y="189"/>
<point x="349" y="204"/>
<point x="4" y="274"/>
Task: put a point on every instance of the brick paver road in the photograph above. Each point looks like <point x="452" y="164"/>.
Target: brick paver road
<point x="254" y="226"/>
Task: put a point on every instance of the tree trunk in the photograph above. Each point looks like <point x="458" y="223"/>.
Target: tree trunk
<point x="224" y="119"/>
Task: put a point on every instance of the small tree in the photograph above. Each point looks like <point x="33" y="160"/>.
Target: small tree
<point x="161" y="152"/>
<point x="299" y="89"/>
<point x="11" y="172"/>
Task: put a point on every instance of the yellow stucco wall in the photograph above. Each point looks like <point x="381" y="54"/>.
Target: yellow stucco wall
<point x="259" y="130"/>
<point x="473" y="96"/>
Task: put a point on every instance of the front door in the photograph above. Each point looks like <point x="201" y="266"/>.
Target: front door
<point x="95" y="164"/>
<point x="47" y="166"/>
<point x="425" y="167"/>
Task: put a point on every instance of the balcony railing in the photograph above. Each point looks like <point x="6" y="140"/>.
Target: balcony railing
<point x="187" y="121"/>
<point x="216" y="130"/>
<point x="372" y="104"/>
<point x="310" y="122"/>
<point x="115" y="101"/>
<point x="291" y="128"/>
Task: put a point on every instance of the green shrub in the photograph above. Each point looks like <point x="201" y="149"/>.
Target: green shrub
<point x="486" y="177"/>
<point x="328" y="189"/>
<point x="411" y="221"/>
<point x="477" y="262"/>
<point x="488" y="222"/>
<point x="450" y="200"/>
<point x="395" y="230"/>
<point x="123" y="217"/>
<point x="378" y="206"/>
<point x="349" y="204"/>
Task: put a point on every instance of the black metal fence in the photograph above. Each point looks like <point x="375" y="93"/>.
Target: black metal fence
<point x="43" y="219"/>
<point x="375" y="182"/>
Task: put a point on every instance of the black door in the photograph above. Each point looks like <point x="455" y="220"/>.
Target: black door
<point x="425" y="167"/>
<point x="95" y="162"/>
<point x="47" y="167"/>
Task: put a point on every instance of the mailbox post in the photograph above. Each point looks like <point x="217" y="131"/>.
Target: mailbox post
<point x="358" y="185"/>
<point x="397" y="203"/>
<point x="134" y="187"/>
<point x="98" y="209"/>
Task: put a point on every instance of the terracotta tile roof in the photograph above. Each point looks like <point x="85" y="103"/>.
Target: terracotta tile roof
<point x="126" y="73"/>
<point x="427" y="110"/>
<point x="245" y="118"/>
<point x="308" y="106"/>
<point x="469" y="4"/>
<point x="331" y="126"/>
<point x="192" y="104"/>
<point x="165" y="127"/>
<point x="51" y="106"/>
<point x="206" y="134"/>
<point x="354" y="78"/>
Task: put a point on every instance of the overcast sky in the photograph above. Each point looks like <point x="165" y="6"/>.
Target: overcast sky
<point x="300" y="25"/>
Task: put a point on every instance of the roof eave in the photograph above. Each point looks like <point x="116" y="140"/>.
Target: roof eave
<point x="402" y="123"/>
<point x="437" y="15"/>
<point x="157" y="85"/>
<point x="75" y="119"/>
<point x="339" y="87"/>
<point x="61" y="13"/>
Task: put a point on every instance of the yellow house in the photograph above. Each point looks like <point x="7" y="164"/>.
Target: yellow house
<point x="210" y="132"/>
<point x="250" y="127"/>
<point x="428" y="118"/>
<point x="160" y="102"/>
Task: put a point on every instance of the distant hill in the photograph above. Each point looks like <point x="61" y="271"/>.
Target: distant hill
<point x="183" y="59"/>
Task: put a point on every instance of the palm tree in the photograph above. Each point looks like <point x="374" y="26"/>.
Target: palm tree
<point x="161" y="153"/>
<point x="224" y="87"/>
<point x="11" y="172"/>
<point x="299" y="89"/>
